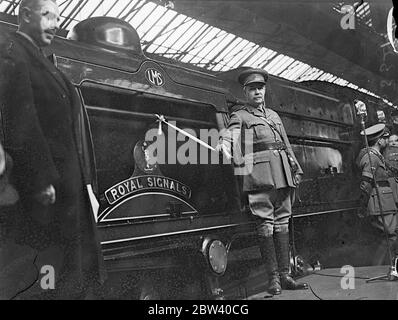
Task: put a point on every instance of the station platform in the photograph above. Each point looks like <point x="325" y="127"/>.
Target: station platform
<point x="326" y="285"/>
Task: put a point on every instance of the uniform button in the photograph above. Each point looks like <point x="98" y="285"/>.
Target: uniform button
<point x="64" y="96"/>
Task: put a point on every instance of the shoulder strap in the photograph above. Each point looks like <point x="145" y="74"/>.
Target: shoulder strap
<point x="381" y="158"/>
<point x="289" y="151"/>
<point x="236" y="107"/>
<point x="389" y="167"/>
<point x="273" y="126"/>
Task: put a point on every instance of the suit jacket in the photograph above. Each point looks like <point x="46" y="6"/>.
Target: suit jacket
<point x="43" y="125"/>
<point x="265" y="168"/>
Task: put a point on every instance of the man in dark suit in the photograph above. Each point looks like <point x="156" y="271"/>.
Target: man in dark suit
<point x="43" y="125"/>
<point x="270" y="174"/>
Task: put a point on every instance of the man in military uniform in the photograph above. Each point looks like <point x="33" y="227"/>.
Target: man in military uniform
<point x="375" y="173"/>
<point x="271" y="176"/>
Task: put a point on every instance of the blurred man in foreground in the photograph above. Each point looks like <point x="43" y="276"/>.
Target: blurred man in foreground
<point x="44" y="130"/>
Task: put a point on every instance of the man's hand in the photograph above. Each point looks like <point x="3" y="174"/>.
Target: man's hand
<point x="298" y="178"/>
<point x="47" y="196"/>
<point x="221" y="147"/>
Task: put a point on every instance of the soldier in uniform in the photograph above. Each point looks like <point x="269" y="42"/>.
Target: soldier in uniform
<point x="377" y="136"/>
<point x="272" y="175"/>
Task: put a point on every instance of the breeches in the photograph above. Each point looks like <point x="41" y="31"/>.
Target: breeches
<point x="273" y="207"/>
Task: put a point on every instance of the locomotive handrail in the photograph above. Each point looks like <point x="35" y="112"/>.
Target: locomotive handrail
<point x="149" y="116"/>
<point x="174" y="233"/>
<point x="311" y="140"/>
<point x="312" y="118"/>
<point x="301" y="215"/>
<point x="319" y="203"/>
<point x="93" y="84"/>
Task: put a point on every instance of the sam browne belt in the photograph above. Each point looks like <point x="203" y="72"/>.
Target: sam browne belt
<point x="262" y="146"/>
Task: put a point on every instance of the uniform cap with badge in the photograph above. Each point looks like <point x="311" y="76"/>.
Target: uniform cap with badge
<point x="376" y="132"/>
<point x="253" y="75"/>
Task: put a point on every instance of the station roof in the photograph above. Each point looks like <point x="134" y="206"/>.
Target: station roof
<point x="298" y="40"/>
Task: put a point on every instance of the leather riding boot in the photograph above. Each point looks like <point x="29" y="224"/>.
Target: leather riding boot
<point x="282" y="255"/>
<point x="267" y="250"/>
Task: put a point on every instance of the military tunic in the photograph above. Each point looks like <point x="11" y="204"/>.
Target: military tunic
<point x="378" y="163"/>
<point x="369" y="197"/>
<point x="249" y="129"/>
<point x="268" y="179"/>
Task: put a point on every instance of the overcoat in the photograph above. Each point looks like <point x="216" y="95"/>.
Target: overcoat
<point x="45" y="131"/>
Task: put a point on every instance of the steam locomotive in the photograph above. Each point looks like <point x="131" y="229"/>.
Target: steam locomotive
<point x="170" y="229"/>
